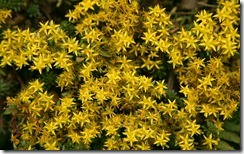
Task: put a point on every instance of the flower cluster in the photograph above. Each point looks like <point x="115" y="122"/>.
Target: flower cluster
<point x="102" y="93"/>
<point x="4" y="14"/>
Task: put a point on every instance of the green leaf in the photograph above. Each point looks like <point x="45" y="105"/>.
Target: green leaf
<point x="104" y="54"/>
<point x="7" y="111"/>
<point x="2" y="72"/>
<point x="232" y="126"/>
<point x="47" y="69"/>
<point x="222" y="145"/>
<point x="230" y="136"/>
<point x="11" y="4"/>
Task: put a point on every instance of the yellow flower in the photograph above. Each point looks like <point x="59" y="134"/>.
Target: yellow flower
<point x="50" y="127"/>
<point x="226" y="111"/>
<point x="85" y="95"/>
<point x="80" y="118"/>
<point x="144" y="146"/>
<point x="25" y="95"/>
<point x="198" y="63"/>
<point x="193" y="127"/>
<point x="46" y="101"/>
<point x="156" y="10"/>
<point x="75" y="137"/>
<point x="185" y="90"/>
<point x="153" y="118"/>
<point x="93" y="35"/>
<point x="87" y="135"/>
<point x="162" y="138"/>
<point x="186" y="143"/>
<point x="161" y="88"/>
<point x="130" y="136"/>
<point x="86" y="70"/>
<point x="147" y="103"/>
<point x="15" y="140"/>
<point x="103" y="83"/>
<point x="122" y="39"/>
<point x="63" y="61"/>
<point x="67" y="101"/>
<point x="4" y="14"/>
<point x="190" y="106"/>
<point x="198" y="29"/>
<point x="149" y="36"/>
<point x="150" y="22"/>
<point x="145" y="83"/>
<point x="72" y="45"/>
<point x="52" y="27"/>
<point x="39" y="63"/>
<point x="44" y="27"/>
<point x="206" y="81"/>
<point x="111" y="130"/>
<point x="113" y="76"/>
<point x="34" y="109"/>
<point x="124" y="62"/>
<point x="20" y="60"/>
<point x="111" y="144"/>
<point x="29" y="126"/>
<point x="203" y="16"/>
<point x="36" y="86"/>
<point x="101" y="95"/>
<point x="51" y="146"/>
<point x="155" y="63"/>
<point x="229" y="47"/>
<point x="209" y="43"/>
<point x="163" y="45"/>
<point x="209" y="141"/>
<point x="115" y="101"/>
<point x="65" y="79"/>
<point x="88" y="4"/>
<point x="169" y="108"/>
<point x="6" y="60"/>
<point x="176" y="57"/>
<point x="206" y="109"/>
<point x="148" y="63"/>
<point x="61" y="119"/>
<point x="129" y="89"/>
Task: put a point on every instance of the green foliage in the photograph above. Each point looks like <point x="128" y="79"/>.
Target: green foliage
<point x="49" y="78"/>
<point x="231" y="126"/>
<point x="230" y="136"/>
<point x="11" y="4"/>
<point x="5" y="87"/>
<point x="69" y="145"/>
<point x="223" y="145"/>
<point x="68" y="27"/>
<point x="34" y="10"/>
